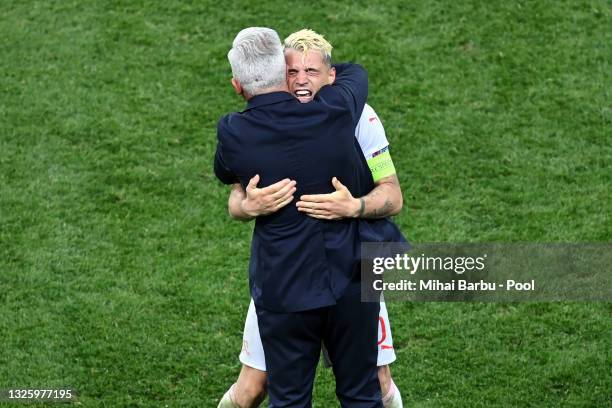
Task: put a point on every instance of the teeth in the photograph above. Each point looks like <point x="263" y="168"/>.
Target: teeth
<point x="302" y="93"/>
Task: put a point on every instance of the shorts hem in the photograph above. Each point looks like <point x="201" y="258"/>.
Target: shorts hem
<point x="245" y="361"/>
<point x="386" y="361"/>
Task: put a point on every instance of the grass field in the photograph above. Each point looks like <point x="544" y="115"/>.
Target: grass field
<point x="122" y="276"/>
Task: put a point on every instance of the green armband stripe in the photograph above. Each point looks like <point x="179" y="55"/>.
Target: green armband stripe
<point x="381" y="166"/>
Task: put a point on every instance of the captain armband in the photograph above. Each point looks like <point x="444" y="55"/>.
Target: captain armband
<point x="381" y="164"/>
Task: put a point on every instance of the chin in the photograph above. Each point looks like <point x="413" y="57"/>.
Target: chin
<point x="305" y="99"/>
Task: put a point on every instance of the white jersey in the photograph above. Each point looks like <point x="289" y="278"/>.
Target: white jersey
<point x="370" y="133"/>
<point x="372" y="139"/>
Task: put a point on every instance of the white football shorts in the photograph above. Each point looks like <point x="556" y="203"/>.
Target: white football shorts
<point x="252" y="353"/>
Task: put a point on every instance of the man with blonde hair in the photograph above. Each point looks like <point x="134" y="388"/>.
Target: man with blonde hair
<point x="308" y="57"/>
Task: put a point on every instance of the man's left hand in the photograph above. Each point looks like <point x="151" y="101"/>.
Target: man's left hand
<point x="332" y="206"/>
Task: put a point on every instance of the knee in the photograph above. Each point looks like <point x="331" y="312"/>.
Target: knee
<point x="251" y="394"/>
<point x="250" y="389"/>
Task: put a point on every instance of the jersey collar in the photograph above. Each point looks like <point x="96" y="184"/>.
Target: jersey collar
<point x="268" y="99"/>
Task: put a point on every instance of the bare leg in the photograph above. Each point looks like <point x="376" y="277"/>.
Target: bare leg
<point x="391" y="395"/>
<point x="250" y="389"/>
<point x="384" y="376"/>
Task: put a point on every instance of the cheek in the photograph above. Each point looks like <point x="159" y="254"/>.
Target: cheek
<point x="317" y="83"/>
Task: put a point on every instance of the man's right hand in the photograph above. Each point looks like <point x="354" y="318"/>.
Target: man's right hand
<point x="267" y="200"/>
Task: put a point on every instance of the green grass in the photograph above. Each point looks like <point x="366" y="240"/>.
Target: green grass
<point x="122" y="276"/>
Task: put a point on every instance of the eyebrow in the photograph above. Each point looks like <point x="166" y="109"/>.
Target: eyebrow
<point x="307" y="69"/>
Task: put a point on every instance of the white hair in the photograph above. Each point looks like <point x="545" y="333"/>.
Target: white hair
<point x="257" y="59"/>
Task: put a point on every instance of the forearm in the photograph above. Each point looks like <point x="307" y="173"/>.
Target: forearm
<point x="234" y="204"/>
<point x="383" y="201"/>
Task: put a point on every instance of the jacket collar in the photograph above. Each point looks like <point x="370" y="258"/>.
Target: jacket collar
<point x="268" y="99"/>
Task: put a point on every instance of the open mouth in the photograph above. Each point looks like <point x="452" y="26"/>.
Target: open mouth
<point x="303" y="93"/>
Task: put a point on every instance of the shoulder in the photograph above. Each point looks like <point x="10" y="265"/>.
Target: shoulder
<point x="369" y="117"/>
<point x="224" y="122"/>
<point x="370" y="132"/>
<point x="368" y="110"/>
<point x="369" y="122"/>
<point x="228" y="125"/>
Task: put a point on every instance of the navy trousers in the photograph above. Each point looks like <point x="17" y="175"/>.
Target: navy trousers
<point x="292" y="346"/>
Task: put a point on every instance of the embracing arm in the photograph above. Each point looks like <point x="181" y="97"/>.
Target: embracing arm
<point x="246" y="205"/>
<point x="234" y="204"/>
<point x="351" y="85"/>
<point x="383" y="201"/>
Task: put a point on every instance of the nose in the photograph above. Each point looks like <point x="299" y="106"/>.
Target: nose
<point x="301" y="78"/>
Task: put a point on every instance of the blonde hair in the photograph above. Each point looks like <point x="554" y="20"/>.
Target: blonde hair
<point x="306" y="40"/>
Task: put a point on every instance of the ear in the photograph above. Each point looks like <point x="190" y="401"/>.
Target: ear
<point x="237" y="87"/>
<point x="332" y="75"/>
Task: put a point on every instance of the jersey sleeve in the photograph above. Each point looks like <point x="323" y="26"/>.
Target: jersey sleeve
<point x="370" y="134"/>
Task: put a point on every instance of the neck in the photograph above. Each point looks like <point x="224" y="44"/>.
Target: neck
<point x="279" y="88"/>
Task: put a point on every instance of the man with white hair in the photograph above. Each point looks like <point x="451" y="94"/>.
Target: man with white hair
<point x="308" y="57"/>
<point x="304" y="272"/>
